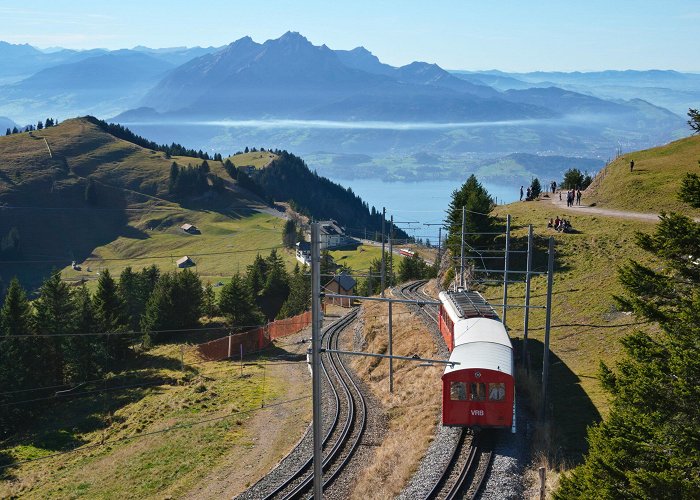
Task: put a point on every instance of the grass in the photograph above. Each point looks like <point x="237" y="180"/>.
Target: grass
<point x="413" y="409"/>
<point x="226" y="245"/>
<point x="586" y="325"/>
<point x="654" y="183"/>
<point x="259" y="159"/>
<point x="360" y="258"/>
<point x="134" y="464"/>
<point x="132" y="218"/>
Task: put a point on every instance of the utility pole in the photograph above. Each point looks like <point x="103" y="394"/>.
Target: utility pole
<point x="547" y="326"/>
<point x="383" y="257"/>
<point x="439" y="243"/>
<point x="316" y="357"/>
<point x="391" y="250"/>
<point x="506" y="262"/>
<point x="528" y="278"/>
<point x="461" y="258"/>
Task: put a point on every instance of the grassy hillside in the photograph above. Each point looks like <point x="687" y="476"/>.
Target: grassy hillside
<point x="653" y="184"/>
<point x="43" y="196"/>
<point x="259" y="159"/>
<point x="177" y="422"/>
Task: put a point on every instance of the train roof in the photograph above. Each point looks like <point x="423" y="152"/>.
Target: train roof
<point x="482" y="355"/>
<point x="463" y="304"/>
<point x="480" y="330"/>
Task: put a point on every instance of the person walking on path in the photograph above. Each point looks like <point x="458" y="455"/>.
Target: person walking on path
<point x="578" y="197"/>
<point x="521" y="193"/>
<point x="631" y="165"/>
<point x="528" y="193"/>
<point x="554" y="186"/>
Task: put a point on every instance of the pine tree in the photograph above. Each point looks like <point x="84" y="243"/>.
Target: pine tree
<point x="299" y="299"/>
<point x="690" y="190"/>
<point x="54" y="315"/>
<point x="20" y="360"/>
<point x="276" y="289"/>
<point x="209" y="307"/>
<point x="649" y="445"/>
<point x="289" y="234"/>
<point x="110" y="316"/>
<point x="237" y="305"/>
<point x="256" y="275"/>
<point x="535" y="188"/>
<point x="83" y="354"/>
<point x="474" y="197"/>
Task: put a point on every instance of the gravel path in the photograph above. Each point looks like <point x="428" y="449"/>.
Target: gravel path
<point x="607" y="212"/>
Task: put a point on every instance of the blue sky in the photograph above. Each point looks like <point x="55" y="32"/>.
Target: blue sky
<point x="511" y="35"/>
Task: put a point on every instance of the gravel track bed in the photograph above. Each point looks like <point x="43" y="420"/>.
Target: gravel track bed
<point x="301" y="453"/>
<point x="504" y="479"/>
<point x="373" y="436"/>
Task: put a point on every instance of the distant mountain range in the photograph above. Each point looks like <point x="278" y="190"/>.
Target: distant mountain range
<point x="288" y="93"/>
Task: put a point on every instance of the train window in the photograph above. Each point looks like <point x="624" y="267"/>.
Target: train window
<point x="458" y="391"/>
<point x="497" y="391"/>
<point x="478" y="391"/>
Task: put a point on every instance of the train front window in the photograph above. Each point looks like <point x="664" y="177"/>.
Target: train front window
<point x="458" y="391"/>
<point x="497" y="391"/>
<point x="478" y="391"/>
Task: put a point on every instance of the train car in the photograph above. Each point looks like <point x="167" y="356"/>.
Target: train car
<point x="406" y="252"/>
<point x="479" y="389"/>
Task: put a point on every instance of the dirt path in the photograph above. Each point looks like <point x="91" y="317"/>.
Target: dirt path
<point x="561" y="205"/>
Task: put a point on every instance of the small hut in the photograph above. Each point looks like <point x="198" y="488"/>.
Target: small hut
<point x="185" y="262"/>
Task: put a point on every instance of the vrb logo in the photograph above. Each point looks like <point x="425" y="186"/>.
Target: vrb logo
<point x="479" y="413"/>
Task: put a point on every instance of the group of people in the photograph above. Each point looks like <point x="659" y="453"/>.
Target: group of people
<point x="573" y="195"/>
<point x="529" y="193"/>
<point x="558" y="224"/>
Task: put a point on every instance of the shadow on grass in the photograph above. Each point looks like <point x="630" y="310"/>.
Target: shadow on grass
<point x="7" y="462"/>
<point x="569" y="409"/>
<point x="59" y="424"/>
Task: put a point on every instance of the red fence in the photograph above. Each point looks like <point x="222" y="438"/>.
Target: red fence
<point x="253" y="340"/>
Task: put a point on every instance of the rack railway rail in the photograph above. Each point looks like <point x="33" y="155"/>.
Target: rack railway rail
<point x="465" y="473"/>
<point x="344" y="428"/>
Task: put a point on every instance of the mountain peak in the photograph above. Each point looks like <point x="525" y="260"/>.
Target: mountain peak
<point x="293" y="36"/>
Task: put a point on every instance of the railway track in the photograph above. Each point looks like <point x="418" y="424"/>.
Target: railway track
<point x="464" y="474"/>
<point x="345" y="417"/>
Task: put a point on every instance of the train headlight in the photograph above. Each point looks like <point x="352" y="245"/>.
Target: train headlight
<point x="477" y="374"/>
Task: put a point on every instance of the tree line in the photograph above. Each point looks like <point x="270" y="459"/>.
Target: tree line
<point x="289" y="179"/>
<point x="49" y="122"/>
<point x="123" y="132"/>
<point x="68" y="335"/>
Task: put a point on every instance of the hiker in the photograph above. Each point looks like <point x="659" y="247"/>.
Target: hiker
<point x="557" y="222"/>
<point x="528" y="193"/>
<point x="578" y="197"/>
<point x="550" y="223"/>
<point x="631" y="165"/>
<point x="521" y="193"/>
<point x="554" y="186"/>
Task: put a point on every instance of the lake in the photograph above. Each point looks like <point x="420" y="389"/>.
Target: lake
<point x="424" y="202"/>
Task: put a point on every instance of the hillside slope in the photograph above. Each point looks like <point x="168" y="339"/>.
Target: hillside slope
<point x="653" y="184"/>
<point x="43" y="179"/>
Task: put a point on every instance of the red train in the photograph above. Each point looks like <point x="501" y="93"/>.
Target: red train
<point x="479" y="392"/>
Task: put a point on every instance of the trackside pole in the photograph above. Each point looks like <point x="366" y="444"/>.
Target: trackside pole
<point x="383" y="257"/>
<point x="316" y="357"/>
<point x="461" y="256"/>
<point x="547" y="325"/>
<point x="391" y="340"/>
<point x="506" y="261"/>
<point x="526" y="321"/>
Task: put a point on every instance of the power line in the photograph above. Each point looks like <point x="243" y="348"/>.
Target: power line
<point x="142" y="257"/>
